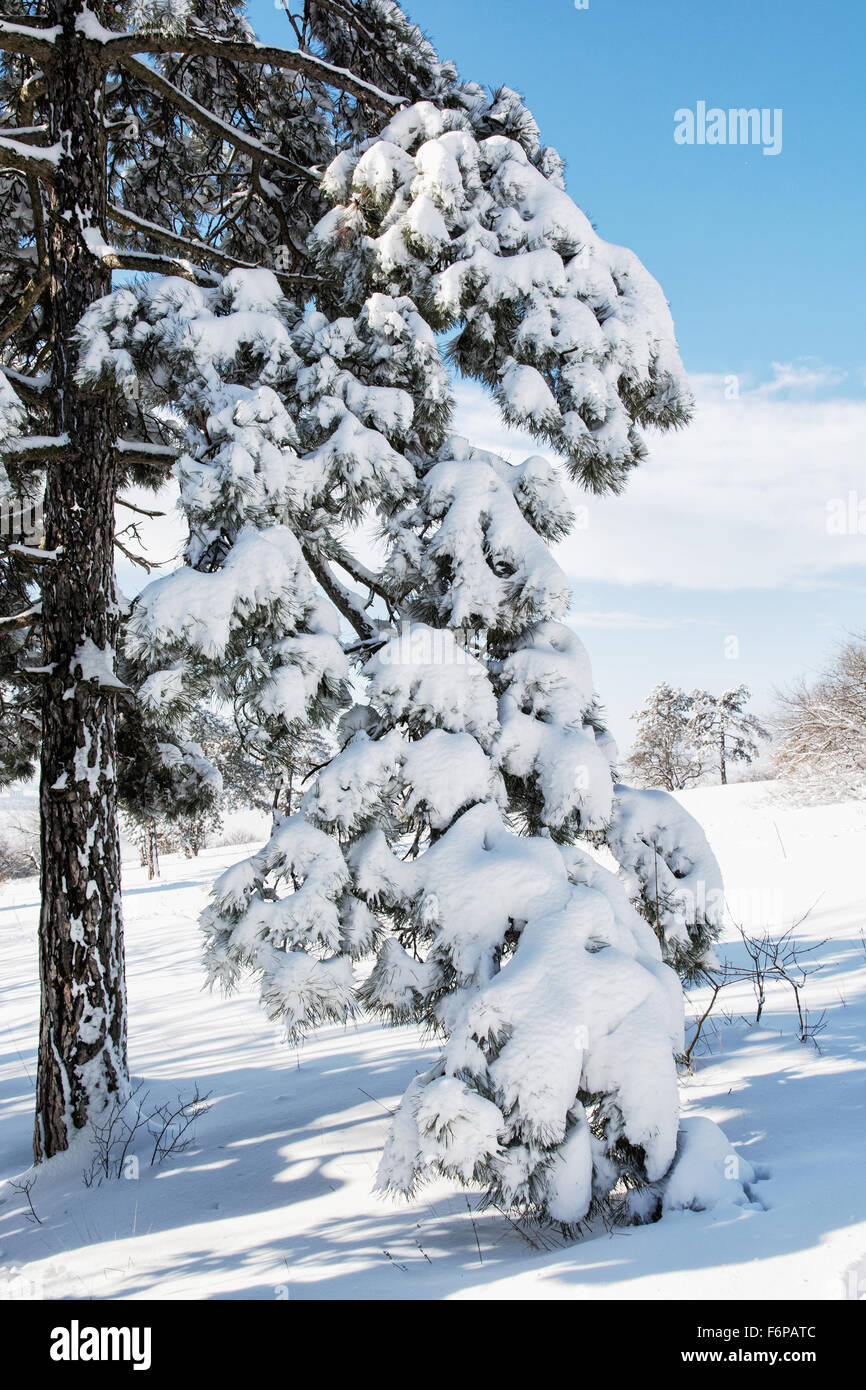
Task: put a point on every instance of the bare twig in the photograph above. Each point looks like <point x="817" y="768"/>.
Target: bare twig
<point x="26" y="1186"/>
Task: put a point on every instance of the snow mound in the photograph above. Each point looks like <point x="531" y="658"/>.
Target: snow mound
<point x="706" y="1174"/>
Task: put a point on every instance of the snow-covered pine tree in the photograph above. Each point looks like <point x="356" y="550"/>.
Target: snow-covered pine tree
<point x="549" y="989"/>
<point x="270" y="493"/>
<point x="722" y="726"/>
<point x="665" y="753"/>
<point x="151" y="137"/>
<point x="441" y="835"/>
<point x="463" y="209"/>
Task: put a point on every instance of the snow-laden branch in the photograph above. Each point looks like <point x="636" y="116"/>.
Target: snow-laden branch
<point x="27" y="135"/>
<point x="196" y="250"/>
<point x="150" y="263"/>
<point x="361" y="573"/>
<point x="26" y="618"/>
<point x="40" y="44"/>
<point x="37" y="448"/>
<point x="32" y="88"/>
<point x="200" y="114"/>
<point x="343" y="599"/>
<point x="31" y="554"/>
<point x="138" y="451"/>
<point x="31" y="389"/>
<point x="34" y="43"/>
<point x="116" y="47"/>
<point x="30" y="159"/>
<point x="121" y="259"/>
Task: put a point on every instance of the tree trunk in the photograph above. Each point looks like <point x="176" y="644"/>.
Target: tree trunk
<point x="722" y="760"/>
<point x="151" y="852"/>
<point x="82" y="1037"/>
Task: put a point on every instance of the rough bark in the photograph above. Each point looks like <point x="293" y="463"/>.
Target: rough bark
<point x="82" y="1040"/>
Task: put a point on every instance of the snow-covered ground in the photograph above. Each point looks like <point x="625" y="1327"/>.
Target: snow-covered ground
<point x="274" y="1199"/>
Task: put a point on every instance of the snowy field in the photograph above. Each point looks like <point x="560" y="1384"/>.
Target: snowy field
<point x="274" y="1199"/>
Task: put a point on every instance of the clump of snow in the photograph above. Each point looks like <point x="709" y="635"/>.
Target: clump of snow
<point x="424" y="675"/>
<point x="668" y="867"/>
<point x="706" y="1173"/>
<point x="96" y="664"/>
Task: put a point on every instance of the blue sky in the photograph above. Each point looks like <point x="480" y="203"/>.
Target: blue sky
<point x="723" y="534"/>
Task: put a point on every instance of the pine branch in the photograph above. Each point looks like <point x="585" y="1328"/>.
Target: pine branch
<point x="131" y="506"/>
<point x="346" y="602"/>
<point x="37" y="448"/>
<point x="24" y="307"/>
<point x="203" y="45"/>
<point x="153" y="264"/>
<point x="231" y="134"/>
<point x="26" y="618"/>
<point x="33" y="88"/>
<point x="30" y="554"/>
<point x="27" y="135"/>
<point x="197" y="250"/>
<point x="32" y="389"/>
<point x="35" y="21"/>
<point x="348" y="15"/>
<point x="364" y="576"/>
<point x="357" y="570"/>
<point x="33" y="43"/>
<point x="140" y="452"/>
<point x="30" y="159"/>
<point x="139" y="560"/>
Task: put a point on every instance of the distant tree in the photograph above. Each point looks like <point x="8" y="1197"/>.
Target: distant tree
<point x="169" y="792"/>
<point x="257" y="771"/>
<point x="720" y="724"/>
<point x="19" y="847"/>
<point x="664" y="753"/>
<point x="822" y="729"/>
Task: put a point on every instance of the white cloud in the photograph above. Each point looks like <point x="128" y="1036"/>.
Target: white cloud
<point x="741" y="498"/>
<point x="803" y="377"/>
